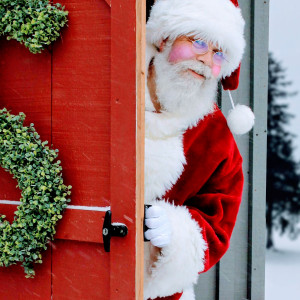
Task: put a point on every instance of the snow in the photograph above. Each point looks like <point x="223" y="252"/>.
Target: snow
<point x="283" y="270"/>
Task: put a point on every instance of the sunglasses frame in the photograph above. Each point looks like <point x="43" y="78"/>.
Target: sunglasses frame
<point x="193" y="41"/>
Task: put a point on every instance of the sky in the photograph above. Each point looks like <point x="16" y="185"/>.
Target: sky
<point x="284" y="42"/>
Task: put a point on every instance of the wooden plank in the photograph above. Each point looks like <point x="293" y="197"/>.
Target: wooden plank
<point x="206" y="286"/>
<point x="9" y="211"/>
<point x="259" y="94"/>
<point x="81" y="101"/>
<point x="14" y="285"/>
<point x="80" y="225"/>
<point x="140" y="144"/>
<point x="234" y="265"/>
<point x="25" y="86"/>
<point x="242" y="268"/>
<point x="78" y="272"/>
<point x="81" y="130"/>
<point x="108" y="2"/>
<point x="123" y="147"/>
<point x="76" y="225"/>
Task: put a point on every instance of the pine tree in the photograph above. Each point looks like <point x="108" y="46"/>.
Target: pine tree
<point x="283" y="197"/>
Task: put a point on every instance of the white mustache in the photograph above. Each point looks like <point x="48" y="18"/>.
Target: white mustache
<point x="197" y="67"/>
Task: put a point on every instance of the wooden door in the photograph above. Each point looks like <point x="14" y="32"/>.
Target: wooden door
<point x="81" y="95"/>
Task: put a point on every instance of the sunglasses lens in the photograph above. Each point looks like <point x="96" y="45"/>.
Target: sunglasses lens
<point x="200" y="46"/>
<point x="219" y="58"/>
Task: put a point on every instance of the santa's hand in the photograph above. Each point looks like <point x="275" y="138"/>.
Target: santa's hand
<point x="160" y="231"/>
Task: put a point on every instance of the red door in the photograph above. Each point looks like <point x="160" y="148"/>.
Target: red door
<point x="81" y="95"/>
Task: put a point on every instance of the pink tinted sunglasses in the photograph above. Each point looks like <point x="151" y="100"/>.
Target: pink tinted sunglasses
<point x="201" y="47"/>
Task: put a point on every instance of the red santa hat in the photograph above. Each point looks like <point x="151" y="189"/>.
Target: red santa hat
<point x="217" y="21"/>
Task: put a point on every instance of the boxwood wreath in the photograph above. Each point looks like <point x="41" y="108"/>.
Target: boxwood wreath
<point x="34" y="23"/>
<point x="44" y="196"/>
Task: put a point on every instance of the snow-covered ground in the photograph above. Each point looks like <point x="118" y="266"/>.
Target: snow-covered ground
<point x="283" y="270"/>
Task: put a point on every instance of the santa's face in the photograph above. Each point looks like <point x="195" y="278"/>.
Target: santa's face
<point x="184" y="79"/>
<point x="186" y="48"/>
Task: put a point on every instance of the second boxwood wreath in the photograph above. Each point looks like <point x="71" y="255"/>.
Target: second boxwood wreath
<point x="44" y="196"/>
<point x="36" y="24"/>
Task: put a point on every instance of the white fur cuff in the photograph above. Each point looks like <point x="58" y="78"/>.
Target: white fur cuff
<point x="177" y="266"/>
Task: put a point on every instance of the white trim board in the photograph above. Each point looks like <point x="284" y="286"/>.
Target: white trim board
<point x="91" y="208"/>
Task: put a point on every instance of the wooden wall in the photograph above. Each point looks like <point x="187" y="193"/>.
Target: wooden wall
<point x="240" y="273"/>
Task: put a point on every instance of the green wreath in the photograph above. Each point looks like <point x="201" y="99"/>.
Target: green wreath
<point x="34" y="23"/>
<point x="44" y="196"/>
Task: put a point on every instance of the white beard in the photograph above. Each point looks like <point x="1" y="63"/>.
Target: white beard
<point x="183" y="97"/>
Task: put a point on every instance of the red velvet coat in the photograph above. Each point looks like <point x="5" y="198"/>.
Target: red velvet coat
<point x="211" y="184"/>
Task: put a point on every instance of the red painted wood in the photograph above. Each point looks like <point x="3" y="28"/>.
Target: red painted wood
<point x="25" y="85"/>
<point x="82" y="116"/>
<point x="78" y="272"/>
<point x="76" y="225"/>
<point x="89" y="98"/>
<point x="8" y="189"/>
<point x="123" y="146"/>
<point x="8" y="211"/>
<point x="81" y="225"/>
<point x="14" y="285"/>
<point x="108" y="2"/>
<point x="81" y="101"/>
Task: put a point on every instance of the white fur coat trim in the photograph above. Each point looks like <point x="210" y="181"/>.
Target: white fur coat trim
<point x="176" y="266"/>
<point x="218" y="21"/>
<point x="188" y="294"/>
<point x="164" y="163"/>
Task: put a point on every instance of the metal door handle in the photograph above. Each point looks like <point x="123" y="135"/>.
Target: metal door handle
<point x="112" y="229"/>
<point x="145" y="227"/>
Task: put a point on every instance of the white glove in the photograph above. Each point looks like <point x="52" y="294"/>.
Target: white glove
<point x="160" y="231"/>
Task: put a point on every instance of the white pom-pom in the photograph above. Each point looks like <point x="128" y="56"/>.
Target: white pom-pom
<point x="240" y="119"/>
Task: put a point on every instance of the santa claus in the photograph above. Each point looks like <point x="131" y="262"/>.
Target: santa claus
<point x="193" y="168"/>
